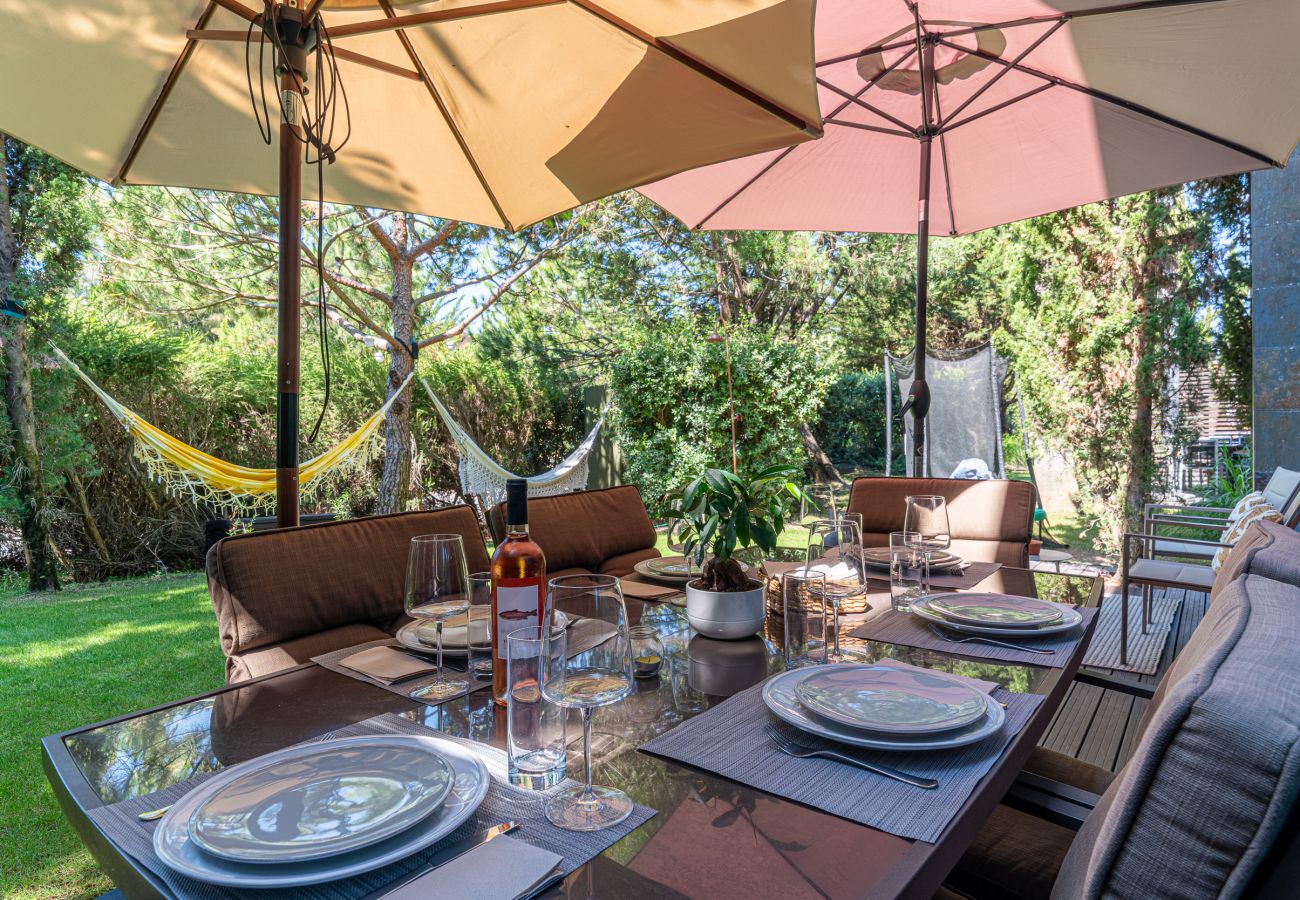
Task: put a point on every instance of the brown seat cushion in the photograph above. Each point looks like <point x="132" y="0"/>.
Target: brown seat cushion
<point x="287" y="654"/>
<point x="625" y="563"/>
<point x="1017" y="855"/>
<point x="991" y="521"/>
<point x="584" y="529"/>
<point x="276" y="586"/>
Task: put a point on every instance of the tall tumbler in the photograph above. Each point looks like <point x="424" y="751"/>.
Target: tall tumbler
<point x="535" y="736"/>
<point x="803" y="599"/>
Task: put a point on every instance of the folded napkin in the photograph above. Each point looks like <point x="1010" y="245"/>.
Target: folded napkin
<point x="643" y="590"/>
<point x="503" y="869"/>
<point x="387" y="664"/>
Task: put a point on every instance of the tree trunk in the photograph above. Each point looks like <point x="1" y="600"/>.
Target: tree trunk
<point x="823" y="470"/>
<point x="395" y="483"/>
<point x="34" y="513"/>
<point x="1141" y="454"/>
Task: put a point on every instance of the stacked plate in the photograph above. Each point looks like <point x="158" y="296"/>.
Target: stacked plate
<point x="940" y="560"/>
<point x="998" y="615"/>
<point x="884" y="707"/>
<point x="669" y="569"/>
<point x="421" y="635"/>
<point x="321" y="811"/>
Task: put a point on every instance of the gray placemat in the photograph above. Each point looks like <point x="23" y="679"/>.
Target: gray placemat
<point x="583" y="635"/>
<point x="912" y="631"/>
<point x="731" y="740"/>
<point x="968" y="577"/>
<point x="504" y="802"/>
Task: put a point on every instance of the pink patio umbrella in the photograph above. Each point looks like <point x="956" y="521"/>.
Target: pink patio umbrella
<point x="1005" y="109"/>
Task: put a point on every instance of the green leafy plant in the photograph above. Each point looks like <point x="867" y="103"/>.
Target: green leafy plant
<point x="720" y="513"/>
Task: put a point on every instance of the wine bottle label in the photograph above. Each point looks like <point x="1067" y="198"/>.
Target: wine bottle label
<point x="516" y="608"/>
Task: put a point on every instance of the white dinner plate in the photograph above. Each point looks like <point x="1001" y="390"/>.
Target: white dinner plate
<point x="1070" y="618"/>
<point x="941" y="561"/>
<point x="995" y="610"/>
<point x="321" y="800"/>
<point x="891" y="700"/>
<point x="669" y="570"/>
<point x="779" y="695"/>
<point x="172" y="843"/>
<point x="422" y="636"/>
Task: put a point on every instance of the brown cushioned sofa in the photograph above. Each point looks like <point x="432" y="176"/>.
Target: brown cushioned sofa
<point x="606" y="531"/>
<point x="991" y="521"/>
<point x="282" y="597"/>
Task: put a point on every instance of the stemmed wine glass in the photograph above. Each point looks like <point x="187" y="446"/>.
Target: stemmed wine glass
<point x="927" y="521"/>
<point x="597" y="676"/>
<point x="437" y="588"/>
<point x="835" y="550"/>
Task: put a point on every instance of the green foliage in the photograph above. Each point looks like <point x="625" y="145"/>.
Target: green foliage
<point x="671" y="414"/>
<point x="1234" y="479"/>
<point x="851" y="427"/>
<point x="720" y="513"/>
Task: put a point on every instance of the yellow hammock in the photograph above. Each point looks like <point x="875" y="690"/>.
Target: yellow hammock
<point x="186" y="471"/>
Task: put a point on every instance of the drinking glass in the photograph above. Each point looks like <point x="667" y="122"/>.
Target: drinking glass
<point x="478" y="630"/>
<point x="437" y="588"/>
<point x="835" y="551"/>
<point x="904" y="570"/>
<point x="535" y="738"/>
<point x="927" y="518"/>
<point x="804" y="618"/>
<point x="595" y="677"/>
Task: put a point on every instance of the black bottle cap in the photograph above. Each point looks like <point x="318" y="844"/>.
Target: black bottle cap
<point x="516" y="502"/>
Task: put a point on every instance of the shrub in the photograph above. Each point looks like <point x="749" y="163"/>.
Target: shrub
<point x="671" y="415"/>
<point x="851" y="427"/>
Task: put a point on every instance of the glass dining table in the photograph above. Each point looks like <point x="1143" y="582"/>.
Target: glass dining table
<point x="712" y="837"/>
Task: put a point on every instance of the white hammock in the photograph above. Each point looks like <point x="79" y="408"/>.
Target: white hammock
<point x="482" y="475"/>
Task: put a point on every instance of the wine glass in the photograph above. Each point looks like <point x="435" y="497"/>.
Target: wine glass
<point x="835" y="550"/>
<point x="437" y="588"/>
<point x="597" y="676"/>
<point x="927" y="521"/>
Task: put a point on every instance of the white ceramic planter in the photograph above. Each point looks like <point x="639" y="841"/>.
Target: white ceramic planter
<point x="726" y="615"/>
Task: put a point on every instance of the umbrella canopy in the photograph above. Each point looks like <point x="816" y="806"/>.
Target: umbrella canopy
<point x="499" y="113"/>
<point x="955" y="116"/>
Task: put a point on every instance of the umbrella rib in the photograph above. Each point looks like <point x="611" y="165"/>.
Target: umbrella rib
<point x="943" y="158"/>
<point x="164" y="91"/>
<point x="394" y="22"/>
<point x="239" y="9"/>
<point x="1081" y="14"/>
<point x="843" y="123"/>
<point x="1038" y="42"/>
<point x="446" y="116"/>
<point x="878" y="48"/>
<point x="786" y="152"/>
<point x="949" y="126"/>
<point x="1120" y="102"/>
<point x="681" y="57"/>
<point x="865" y="105"/>
<point x="239" y="37"/>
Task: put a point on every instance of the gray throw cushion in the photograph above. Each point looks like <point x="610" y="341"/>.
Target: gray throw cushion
<point x="1217" y="768"/>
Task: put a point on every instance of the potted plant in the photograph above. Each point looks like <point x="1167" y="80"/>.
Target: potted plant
<point x="720" y="513"/>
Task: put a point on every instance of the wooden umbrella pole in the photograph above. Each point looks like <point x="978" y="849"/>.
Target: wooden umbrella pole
<point x="288" y="310"/>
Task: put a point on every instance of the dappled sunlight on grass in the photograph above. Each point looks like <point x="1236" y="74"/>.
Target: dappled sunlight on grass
<point x="73" y="658"/>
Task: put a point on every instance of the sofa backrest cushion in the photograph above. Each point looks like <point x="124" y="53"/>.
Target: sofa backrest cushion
<point x="278" y="585"/>
<point x="1277" y="555"/>
<point x="584" y="528"/>
<point x="991" y="521"/>
<point x="1217" y="766"/>
<point x="1283" y="492"/>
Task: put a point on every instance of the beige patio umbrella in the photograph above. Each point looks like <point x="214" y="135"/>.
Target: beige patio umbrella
<point x="500" y="113"/>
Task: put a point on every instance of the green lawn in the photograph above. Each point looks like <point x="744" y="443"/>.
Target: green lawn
<point x="85" y="654"/>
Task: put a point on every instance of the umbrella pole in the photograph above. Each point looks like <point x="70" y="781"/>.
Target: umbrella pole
<point x="919" y="395"/>
<point x="288" y="312"/>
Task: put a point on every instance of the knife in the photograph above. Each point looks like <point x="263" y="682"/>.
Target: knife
<point x="442" y="857"/>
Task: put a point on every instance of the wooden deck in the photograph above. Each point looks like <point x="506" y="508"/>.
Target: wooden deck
<point x="1100" y="726"/>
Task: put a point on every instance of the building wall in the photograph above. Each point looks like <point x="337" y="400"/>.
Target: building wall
<point x="1275" y="303"/>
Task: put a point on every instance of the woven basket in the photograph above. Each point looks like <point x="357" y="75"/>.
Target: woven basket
<point x="776" y="607"/>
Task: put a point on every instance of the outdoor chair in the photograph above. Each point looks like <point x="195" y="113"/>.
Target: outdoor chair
<point x="1149" y="573"/>
<point x="991" y="521"/>
<point x="1205" y="807"/>
<point x="284" y="596"/>
<point x="1282" y="491"/>
<point x="606" y="531"/>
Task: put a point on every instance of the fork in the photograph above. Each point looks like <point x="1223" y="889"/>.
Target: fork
<point x="943" y="636"/>
<point x="791" y="747"/>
